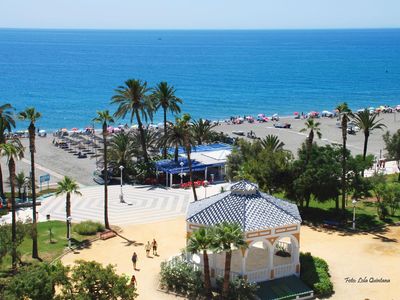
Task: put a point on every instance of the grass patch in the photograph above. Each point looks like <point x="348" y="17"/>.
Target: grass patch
<point x="48" y="250"/>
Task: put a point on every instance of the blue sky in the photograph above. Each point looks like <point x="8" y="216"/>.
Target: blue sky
<point x="200" y="14"/>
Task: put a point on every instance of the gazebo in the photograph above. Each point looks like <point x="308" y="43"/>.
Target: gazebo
<point x="271" y="227"/>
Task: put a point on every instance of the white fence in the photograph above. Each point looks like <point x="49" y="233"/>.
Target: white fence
<point x="284" y="270"/>
<point x="258" y="275"/>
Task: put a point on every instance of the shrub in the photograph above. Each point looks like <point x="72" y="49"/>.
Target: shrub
<point x="88" y="228"/>
<point x="315" y="273"/>
<point x="239" y="288"/>
<point x="180" y="277"/>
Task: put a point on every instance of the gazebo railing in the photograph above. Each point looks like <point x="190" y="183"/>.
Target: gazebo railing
<point x="258" y="275"/>
<point x="284" y="270"/>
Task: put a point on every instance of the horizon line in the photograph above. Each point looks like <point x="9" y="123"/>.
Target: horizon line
<point x="197" y="29"/>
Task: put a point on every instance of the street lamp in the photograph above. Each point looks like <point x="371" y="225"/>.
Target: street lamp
<point x="354" y="213"/>
<point x="181" y="173"/>
<point x="121" y="196"/>
<point x="69" y="220"/>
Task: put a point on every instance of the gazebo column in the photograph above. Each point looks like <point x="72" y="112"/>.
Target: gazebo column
<point x="170" y="184"/>
<point x="205" y="173"/>
<point x="166" y="179"/>
<point x="244" y="258"/>
<point x="271" y="261"/>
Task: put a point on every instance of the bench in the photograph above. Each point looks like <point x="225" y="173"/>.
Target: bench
<point x="331" y="224"/>
<point x="107" y="234"/>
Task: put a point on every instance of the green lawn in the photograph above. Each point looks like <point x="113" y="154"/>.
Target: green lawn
<point x="47" y="250"/>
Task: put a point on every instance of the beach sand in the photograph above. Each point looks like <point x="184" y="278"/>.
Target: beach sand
<point x="293" y="138"/>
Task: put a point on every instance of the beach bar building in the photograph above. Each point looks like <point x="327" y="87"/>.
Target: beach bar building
<point x="271" y="227"/>
<point x="208" y="161"/>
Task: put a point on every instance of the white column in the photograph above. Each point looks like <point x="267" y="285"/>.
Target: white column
<point x="271" y="258"/>
<point x="244" y="263"/>
<point x="205" y="173"/>
<point x="170" y="184"/>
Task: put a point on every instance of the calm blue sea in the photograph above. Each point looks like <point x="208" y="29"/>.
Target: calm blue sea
<point x="69" y="74"/>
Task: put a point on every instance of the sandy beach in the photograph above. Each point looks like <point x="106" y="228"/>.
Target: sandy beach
<point x="293" y="138"/>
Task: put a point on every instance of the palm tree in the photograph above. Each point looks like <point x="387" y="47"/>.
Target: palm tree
<point x="105" y="118"/>
<point x="313" y="127"/>
<point x="20" y="181"/>
<point x="67" y="186"/>
<point x="164" y="96"/>
<point x="174" y="137"/>
<point x="226" y="237"/>
<point x="122" y="150"/>
<point x="7" y="122"/>
<point x="187" y="142"/>
<point x="152" y="140"/>
<point x="272" y="143"/>
<point x="202" y="130"/>
<point x="367" y="123"/>
<point x="13" y="150"/>
<point x="30" y="114"/>
<point x="344" y="113"/>
<point x="132" y="99"/>
<point x="201" y="241"/>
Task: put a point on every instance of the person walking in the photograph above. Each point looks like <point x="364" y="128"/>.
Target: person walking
<point x="154" y="244"/>
<point x="147" y="248"/>
<point x="133" y="281"/>
<point x="134" y="260"/>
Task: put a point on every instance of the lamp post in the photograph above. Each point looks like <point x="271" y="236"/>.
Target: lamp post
<point x="181" y="174"/>
<point x="121" y="196"/>
<point x="354" y="213"/>
<point x="69" y="220"/>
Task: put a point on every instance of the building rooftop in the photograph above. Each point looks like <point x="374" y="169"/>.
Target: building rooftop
<point x="246" y="205"/>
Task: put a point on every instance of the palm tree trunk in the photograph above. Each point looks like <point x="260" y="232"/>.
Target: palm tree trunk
<point x="143" y="142"/>
<point x="310" y="140"/>
<point x="227" y="273"/>
<point x="366" y="136"/>
<point x="1" y="183"/>
<point x="11" y="167"/>
<point x="207" y="280"/>
<point x="165" y="133"/>
<point x="176" y="154"/>
<point x="68" y="211"/>
<point x="344" y="163"/>
<point x="191" y="173"/>
<point x="35" y="252"/>
<point x="106" y="223"/>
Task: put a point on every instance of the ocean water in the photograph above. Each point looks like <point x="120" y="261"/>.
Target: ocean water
<point x="69" y="74"/>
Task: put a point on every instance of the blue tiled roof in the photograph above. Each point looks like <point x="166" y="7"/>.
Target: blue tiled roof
<point x="244" y="205"/>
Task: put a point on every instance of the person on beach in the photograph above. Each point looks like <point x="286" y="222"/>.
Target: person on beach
<point x="134" y="260"/>
<point x="147" y="248"/>
<point x="133" y="281"/>
<point x="154" y="244"/>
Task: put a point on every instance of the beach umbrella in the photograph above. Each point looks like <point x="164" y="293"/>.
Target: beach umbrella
<point x="74" y="129"/>
<point x="117" y="129"/>
<point x="296" y="113"/>
<point x="261" y="115"/>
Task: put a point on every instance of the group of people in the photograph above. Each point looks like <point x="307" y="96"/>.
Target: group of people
<point x="148" y="247"/>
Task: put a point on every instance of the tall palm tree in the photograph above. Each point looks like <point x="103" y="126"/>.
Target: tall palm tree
<point x="32" y="115"/>
<point x="367" y="123"/>
<point x="202" y="130"/>
<point x="164" y="97"/>
<point x="13" y="150"/>
<point x="313" y="128"/>
<point x="67" y="186"/>
<point x="152" y="140"/>
<point x="187" y="140"/>
<point x="344" y="116"/>
<point x="201" y="241"/>
<point x="104" y="118"/>
<point x="226" y="237"/>
<point x="174" y="137"/>
<point x="132" y="99"/>
<point x="272" y="143"/>
<point x="7" y="123"/>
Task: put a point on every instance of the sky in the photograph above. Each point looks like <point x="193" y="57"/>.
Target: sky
<point x="200" y="14"/>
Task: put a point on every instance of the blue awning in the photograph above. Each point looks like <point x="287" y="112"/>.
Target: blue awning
<point x="172" y="167"/>
<point x="202" y="148"/>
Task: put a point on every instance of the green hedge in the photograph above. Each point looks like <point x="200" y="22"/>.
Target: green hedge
<point x="315" y="273"/>
<point x="88" y="228"/>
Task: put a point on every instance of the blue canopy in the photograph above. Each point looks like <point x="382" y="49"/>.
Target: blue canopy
<point x="172" y="167"/>
<point x="202" y="148"/>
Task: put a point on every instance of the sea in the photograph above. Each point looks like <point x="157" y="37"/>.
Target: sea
<point x="70" y="74"/>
